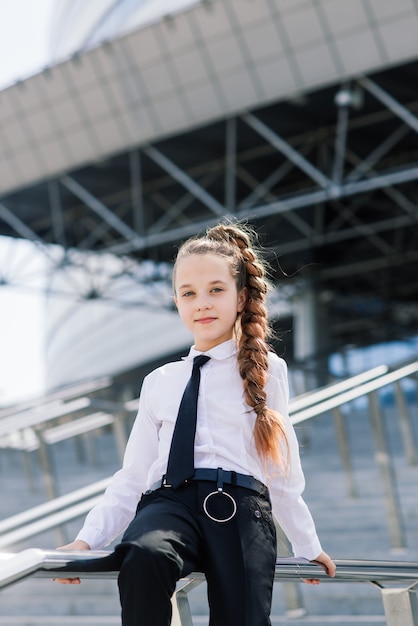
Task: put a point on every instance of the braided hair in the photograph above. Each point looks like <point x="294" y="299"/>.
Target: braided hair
<point x="237" y="244"/>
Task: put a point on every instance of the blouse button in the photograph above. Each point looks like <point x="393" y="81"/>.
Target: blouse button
<point x="257" y="514"/>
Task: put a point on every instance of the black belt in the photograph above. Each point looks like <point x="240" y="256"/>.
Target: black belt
<point x="225" y="477"/>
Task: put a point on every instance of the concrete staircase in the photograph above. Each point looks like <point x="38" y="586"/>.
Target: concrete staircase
<point x="349" y="527"/>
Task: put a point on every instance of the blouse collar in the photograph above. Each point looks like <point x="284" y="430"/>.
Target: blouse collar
<point x="222" y="351"/>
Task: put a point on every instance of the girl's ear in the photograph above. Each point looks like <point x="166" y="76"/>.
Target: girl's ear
<point x="242" y="299"/>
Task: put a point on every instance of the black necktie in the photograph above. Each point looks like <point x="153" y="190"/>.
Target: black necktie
<point x="181" y="458"/>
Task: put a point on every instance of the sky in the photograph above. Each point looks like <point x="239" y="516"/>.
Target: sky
<point x="23" y="51"/>
<point x="24" y="28"/>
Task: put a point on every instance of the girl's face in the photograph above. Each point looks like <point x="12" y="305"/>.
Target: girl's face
<point x="207" y="299"/>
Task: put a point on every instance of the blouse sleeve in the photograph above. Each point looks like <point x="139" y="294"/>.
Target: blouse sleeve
<point x="114" y="512"/>
<point x="287" y="486"/>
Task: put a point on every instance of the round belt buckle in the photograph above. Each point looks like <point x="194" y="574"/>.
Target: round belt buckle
<point x="219" y="493"/>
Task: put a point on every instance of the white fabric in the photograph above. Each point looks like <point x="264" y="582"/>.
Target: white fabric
<point x="224" y="439"/>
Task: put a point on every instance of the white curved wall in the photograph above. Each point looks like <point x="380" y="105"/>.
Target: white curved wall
<point x="92" y="339"/>
<point x="131" y="323"/>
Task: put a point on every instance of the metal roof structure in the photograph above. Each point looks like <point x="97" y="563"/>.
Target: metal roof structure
<point x="299" y="116"/>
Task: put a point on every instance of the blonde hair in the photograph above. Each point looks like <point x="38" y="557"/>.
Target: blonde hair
<point x="237" y="244"/>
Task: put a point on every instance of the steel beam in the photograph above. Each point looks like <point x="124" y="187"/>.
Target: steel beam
<point x="390" y="102"/>
<point x="340" y="145"/>
<point x="174" y="211"/>
<point x="285" y="148"/>
<point x="17" y="225"/>
<point x="136" y="191"/>
<point x="365" y="165"/>
<point x="273" y="208"/>
<point x="230" y="163"/>
<point x="23" y="230"/>
<point x="57" y="216"/>
<point x="261" y="190"/>
<point x="184" y="179"/>
<point x="98" y="207"/>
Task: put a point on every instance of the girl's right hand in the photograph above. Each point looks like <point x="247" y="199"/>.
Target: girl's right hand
<point x="327" y="564"/>
<point x="75" y="545"/>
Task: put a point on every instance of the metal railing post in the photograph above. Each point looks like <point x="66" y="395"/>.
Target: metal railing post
<point x="405" y="424"/>
<point x="400" y="606"/>
<point x="182" y="615"/>
<point x="46" y="463"/>
<point x="120" y="434"/>
<point x="345" y="455"/>
<point x="292" y="591"/>
<point x="384" y="463"/>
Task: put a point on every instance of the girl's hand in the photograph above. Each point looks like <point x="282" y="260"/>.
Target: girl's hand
<point x="75" y="545"/>
<point x="327" y="564"/>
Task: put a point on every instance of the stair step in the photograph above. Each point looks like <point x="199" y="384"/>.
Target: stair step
<point x="198" y="620"/>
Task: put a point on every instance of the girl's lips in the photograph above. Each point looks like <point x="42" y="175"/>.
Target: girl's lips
<point x="205" y="320"/>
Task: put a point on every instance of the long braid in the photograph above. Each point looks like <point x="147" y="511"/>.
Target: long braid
<point x="253" y="354"/>
<point x="236" y="244"/>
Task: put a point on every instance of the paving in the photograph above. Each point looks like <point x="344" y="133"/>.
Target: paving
<point x="350" y="527"/>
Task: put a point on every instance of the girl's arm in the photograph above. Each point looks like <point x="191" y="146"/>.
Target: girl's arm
<point x="287" y="486"/>
<point x="111" y="516"/>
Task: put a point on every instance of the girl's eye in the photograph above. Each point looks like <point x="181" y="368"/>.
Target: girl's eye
<point x="187" y="294"/>
<point x="216" y="289"/>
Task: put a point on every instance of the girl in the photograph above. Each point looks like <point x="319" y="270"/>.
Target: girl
<point x="217" y="516"/>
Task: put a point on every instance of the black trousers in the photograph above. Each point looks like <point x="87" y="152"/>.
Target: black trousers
<point x="171" y="536"/>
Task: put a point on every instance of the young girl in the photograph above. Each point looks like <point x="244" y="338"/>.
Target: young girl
<point x="218" y="520"/>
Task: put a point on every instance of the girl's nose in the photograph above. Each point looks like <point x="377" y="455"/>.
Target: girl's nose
<point x="203" y="303"/>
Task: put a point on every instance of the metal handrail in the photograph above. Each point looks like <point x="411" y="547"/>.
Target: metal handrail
<point x="314" y="397"/>
<point x="399" y="603"/>
<point x="354" y="393"/>
<point x="66" y="393"/>
<point x="50" y="514"/>
<point x="42" y="414"/>
<point x="383" y="456"/>
<point x="55" y="563"/>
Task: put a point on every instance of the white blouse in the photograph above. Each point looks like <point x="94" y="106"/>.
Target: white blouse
<point x="224" y="438"/>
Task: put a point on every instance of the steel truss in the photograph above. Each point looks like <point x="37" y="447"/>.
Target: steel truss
<point x="328" y="179"/>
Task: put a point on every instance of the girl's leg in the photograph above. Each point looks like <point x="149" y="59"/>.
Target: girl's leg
<point x="159" y="546"/>
<point x="240" y="561"/>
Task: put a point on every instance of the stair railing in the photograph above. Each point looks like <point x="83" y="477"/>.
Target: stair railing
<point x="396" y="580"/>
<point x="302" y="409"/>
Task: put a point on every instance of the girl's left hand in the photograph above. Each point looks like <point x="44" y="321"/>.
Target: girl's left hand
<point x="327" y="564"/>
<point x="75" y="545"/>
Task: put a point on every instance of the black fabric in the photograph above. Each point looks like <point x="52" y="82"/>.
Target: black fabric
<point x="181" y="457"/>
<point x="171" y="537"/>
